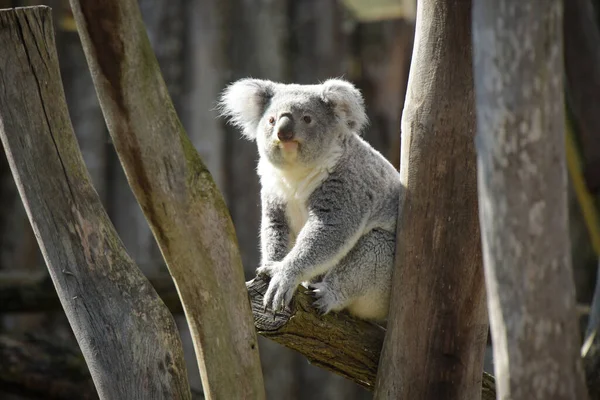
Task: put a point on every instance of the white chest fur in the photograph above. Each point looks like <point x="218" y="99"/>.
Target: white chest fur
<point x="294" y="186"/>
<point x="297" y="214"/>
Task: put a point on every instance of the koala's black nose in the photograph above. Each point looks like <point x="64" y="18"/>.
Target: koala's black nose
<point x="285" y="129"/>
<point x="285" y="135"/>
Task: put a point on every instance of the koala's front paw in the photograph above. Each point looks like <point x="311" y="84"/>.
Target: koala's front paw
<point x="281" y="290"/>
<point x="325" y="298"/>
<point x="268" y="269"/>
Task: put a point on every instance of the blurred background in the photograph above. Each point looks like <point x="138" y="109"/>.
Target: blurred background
<point x="201" y="46"/>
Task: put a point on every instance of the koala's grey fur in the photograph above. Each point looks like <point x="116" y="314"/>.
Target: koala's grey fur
<point x="329" y="200"/>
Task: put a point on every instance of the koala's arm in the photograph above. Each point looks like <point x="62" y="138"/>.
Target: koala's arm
<point x="337" y="217"/>
<point x="274" y="230"/>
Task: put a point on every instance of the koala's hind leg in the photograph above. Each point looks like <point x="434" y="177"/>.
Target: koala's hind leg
<point x="361" y="282"/>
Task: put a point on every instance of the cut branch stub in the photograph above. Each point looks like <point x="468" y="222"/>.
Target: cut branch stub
<point x="186" y="212"/>
<point x="128" y="337"/>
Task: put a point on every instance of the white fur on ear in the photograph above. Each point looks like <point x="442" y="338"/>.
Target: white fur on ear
<point x="347" y="102"/>
<point x="244" y="102"/>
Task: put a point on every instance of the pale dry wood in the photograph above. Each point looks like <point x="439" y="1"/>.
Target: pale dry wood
<point x="177" y="194"/>
<point x="518" y="63"/>
<point x="127" y="336"/>
<point x="437" y="326"/>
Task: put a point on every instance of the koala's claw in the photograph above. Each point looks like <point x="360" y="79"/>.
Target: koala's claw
<point x="325" y="300"/>
<point x="269" y="269"/>
<point x="280" y="292"/>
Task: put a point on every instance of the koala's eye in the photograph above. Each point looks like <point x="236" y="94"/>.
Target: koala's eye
<point x="307" y="119"/>
<point x="272" y="120"/>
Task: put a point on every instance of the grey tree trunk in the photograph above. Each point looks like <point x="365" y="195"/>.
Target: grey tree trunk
<point x="127" y="335"/>
<point x="518" y="67"/>
<point x="437" y="327"/>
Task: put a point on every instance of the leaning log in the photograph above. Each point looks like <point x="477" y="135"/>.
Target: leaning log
<point x="128" y="337"/>
<point x="185" y="210"/>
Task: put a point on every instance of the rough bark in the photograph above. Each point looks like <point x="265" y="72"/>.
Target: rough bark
<point x="518" y="63"/>
<point x="437" y="327"/>
<point x="36" y="367"/>
<point x="582" y="73"/>
<point x="336" y="342"/>
<point x="184" y="208"/>
<point x="127" y="335"/>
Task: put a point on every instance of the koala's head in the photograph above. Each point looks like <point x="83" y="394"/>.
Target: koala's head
<point x="294" y="124"/>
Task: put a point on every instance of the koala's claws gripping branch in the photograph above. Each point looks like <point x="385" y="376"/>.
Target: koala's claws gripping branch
<point x="336" y="341"/>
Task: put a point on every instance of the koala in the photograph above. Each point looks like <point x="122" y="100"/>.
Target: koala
<point x="329" y="200"/>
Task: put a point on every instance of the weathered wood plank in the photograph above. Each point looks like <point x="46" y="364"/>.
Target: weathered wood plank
<point x="127" y="336"/>
<point x="185" y="210"/>
<point x="437" y="326"/>
<point x="518" y="64"/>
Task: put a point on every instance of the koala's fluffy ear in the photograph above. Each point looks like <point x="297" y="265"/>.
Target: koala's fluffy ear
<point x="347" y="103"/>
<point x="244" y="103"/>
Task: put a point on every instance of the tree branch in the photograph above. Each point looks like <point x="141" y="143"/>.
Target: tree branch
<point x="128" y="337"/>
<point x="336" y="342"/>
<point x="185" y="210"/>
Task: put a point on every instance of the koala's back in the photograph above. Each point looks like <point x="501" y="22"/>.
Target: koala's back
<point x="366" y="170"/>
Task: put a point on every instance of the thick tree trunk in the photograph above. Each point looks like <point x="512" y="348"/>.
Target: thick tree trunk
<point x="126" y="334"/>
<point x="184" y="208"/>
<point x="437" y="326"/>
<point x="522" y="188"/>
